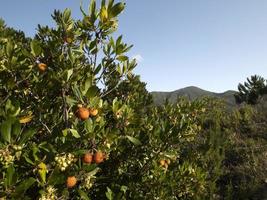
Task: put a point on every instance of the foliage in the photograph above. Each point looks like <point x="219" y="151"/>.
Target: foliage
<point x="246" y="157"/>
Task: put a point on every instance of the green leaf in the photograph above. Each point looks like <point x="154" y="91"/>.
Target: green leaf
<point x="97" y="70"/>
<point x="56" y="177"/>
<point x="87" y="85"/>
<point x="109" y="194"/>
<point x="75" y="133"/>
<point x="110" y="4"/>
<point x="83" y="195"/>
<point x="81" y="9"/>
<point x="92" y="10"/>
<point x="118" y="41"/>
<point x="66" y="15"/>
<point x="10" y="175"/>
<point x="92" y="92"/>
<point x="24" y="186"/>
<point x="16" y="128"/>
<point x="124" y="69"/>
<point x="9" y="49"/>
<point x="116" y="9"/>
<point x="124" y="188"/>
<point x="118" y="69"/>
<point x="128" y="48"/>
<point x="26" y="53"/>
<point x="69" y="73"/>
<point x="6" y="130"/>
<point x="103" y="3"/>
<point x="42" y="174"/>
<point x="70" y="101"/>
<point x="103" y="14"/>
<point x="122" y="58"/>
<point x="134" y="140"/>
<point x="115" y="104"/>
<point x="89" y="125"/>
<point x="77" y="92"/>
<point x="36" y="48"/>
<point x="8" y="105"/>
<point x="28" y="160"/>
<point x="26" y="135"/>
<point x="65" y="132"/>
<point x="94" y="171"/>
<point x="14" y="109"/>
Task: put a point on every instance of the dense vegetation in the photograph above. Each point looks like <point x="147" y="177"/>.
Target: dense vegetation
<point x="76" y="123"/>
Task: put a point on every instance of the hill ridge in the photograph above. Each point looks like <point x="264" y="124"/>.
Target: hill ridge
<point x="192" y="92"/>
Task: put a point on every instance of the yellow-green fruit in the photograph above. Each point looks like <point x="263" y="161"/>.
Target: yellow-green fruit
<point x="93" y="112"/>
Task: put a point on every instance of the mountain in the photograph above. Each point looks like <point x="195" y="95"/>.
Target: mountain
<point x="192" y="93"/>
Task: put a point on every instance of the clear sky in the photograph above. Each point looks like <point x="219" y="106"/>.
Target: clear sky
<point x="212" y="44"/>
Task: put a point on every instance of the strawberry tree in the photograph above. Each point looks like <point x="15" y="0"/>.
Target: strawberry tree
<point x="76" y="123"/>
<point x="53" y="103"/>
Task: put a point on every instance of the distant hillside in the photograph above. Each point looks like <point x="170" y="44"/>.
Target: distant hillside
<point x="193" y="93"/>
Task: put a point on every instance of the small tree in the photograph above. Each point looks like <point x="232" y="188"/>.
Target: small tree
<point x="55" y="119"/>
<point x="251" y="90"/>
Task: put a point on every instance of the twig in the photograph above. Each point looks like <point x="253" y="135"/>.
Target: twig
<point x="65" y="110"/>
<point x="46" y="127"/>
<point x="111" y="90"/>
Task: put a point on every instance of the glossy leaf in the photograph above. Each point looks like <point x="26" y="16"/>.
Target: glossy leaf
<point x="24" y="186"/>
<point x="134" y="140"/>
<point x="5" y="129"/>
<point x="36" y="48"/>
<point x="117" y="9"/>
<point x="26" y="135"/>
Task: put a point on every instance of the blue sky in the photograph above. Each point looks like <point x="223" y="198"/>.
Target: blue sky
<point x="211" y="44"/>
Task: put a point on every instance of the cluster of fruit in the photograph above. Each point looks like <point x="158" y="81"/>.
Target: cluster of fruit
<point x="98" y="157"/>
<point x="88" y="158"/>
<point x="84" y="113"/>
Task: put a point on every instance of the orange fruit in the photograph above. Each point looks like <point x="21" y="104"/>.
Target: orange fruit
<point x="71" y="181"/>
<point x="83" y="113"/>
<point x="93" y="112"/>
<point x="88" y="158"/>
<point x="99" y="157"/>
<point x="42" y="67"/>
